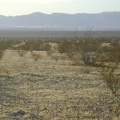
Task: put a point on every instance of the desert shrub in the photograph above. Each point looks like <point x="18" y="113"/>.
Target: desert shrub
<point x="71" y="49"/>
<point x="103" y="54"/>
<point x="35" y="45"/>
<point x="1" y="53"/>
<point x="111" y="77"/>
<point x="56" y="58"/>
<point x="26" y="46"/>
<point x="110" y="50"/>
<point x="36" y="56"/>
<point x="22" y="49"/>
<point x="21" y="52"/>
<point x="4" y="71"/>
<point x="86" y="50"/>
<point x="108" y="64"/>
<point x="79" y="50"/>
<point x="3" y="46"/>
<point x="48" y="48"/>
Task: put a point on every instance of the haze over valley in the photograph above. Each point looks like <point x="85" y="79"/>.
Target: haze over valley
<point x="80" y="21"/>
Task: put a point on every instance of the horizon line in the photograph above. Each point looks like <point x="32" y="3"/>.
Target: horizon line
<point x="58" y="13"/>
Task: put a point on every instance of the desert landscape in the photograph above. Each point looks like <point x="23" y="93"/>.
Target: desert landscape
<point x="59" y="60"/>
<point x="55" y="80"/>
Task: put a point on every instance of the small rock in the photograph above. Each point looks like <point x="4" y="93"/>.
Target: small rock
<point x="19" y="113"/>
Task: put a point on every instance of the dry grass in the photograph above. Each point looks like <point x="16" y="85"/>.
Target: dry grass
<point x="50" y="90"/>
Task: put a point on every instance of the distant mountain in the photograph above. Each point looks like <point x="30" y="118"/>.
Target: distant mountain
<point x="105" y="20"/>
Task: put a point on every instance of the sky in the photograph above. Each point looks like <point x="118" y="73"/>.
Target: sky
<point x="20" y="7"/>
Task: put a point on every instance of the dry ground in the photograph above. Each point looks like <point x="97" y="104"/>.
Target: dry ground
<point x="50" y="90"/>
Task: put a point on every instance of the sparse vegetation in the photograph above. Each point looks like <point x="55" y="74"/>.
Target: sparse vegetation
<point x="36" y="56"/>
<point x="48" y="48"/>
<point x="3" y="46"/>
<point x="111" y="77"/>
<point x="46" y="89"/>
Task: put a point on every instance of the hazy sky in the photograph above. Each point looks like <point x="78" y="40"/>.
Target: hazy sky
<point x="19" y="7"/>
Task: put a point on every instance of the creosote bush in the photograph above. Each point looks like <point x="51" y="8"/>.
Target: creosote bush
<point x="21" y="52"/>
<point x="79" y="50"/>
<point x="1" y="53"/>
<point x="107" y="62"/>
<point x="48" y="48"/>
<point x="3" y="47"/>
<point x="101" y="53"/>
<point x="36" y="56"/>
<point x="22" y="49"/>
<point x="28" y="45"/>
<point x="111" y="77"/>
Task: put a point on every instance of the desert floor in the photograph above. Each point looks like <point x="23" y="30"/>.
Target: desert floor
<point x="53" y="90"/>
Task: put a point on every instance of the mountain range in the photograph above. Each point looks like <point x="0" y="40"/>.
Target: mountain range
<point x="104" y="20"/>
